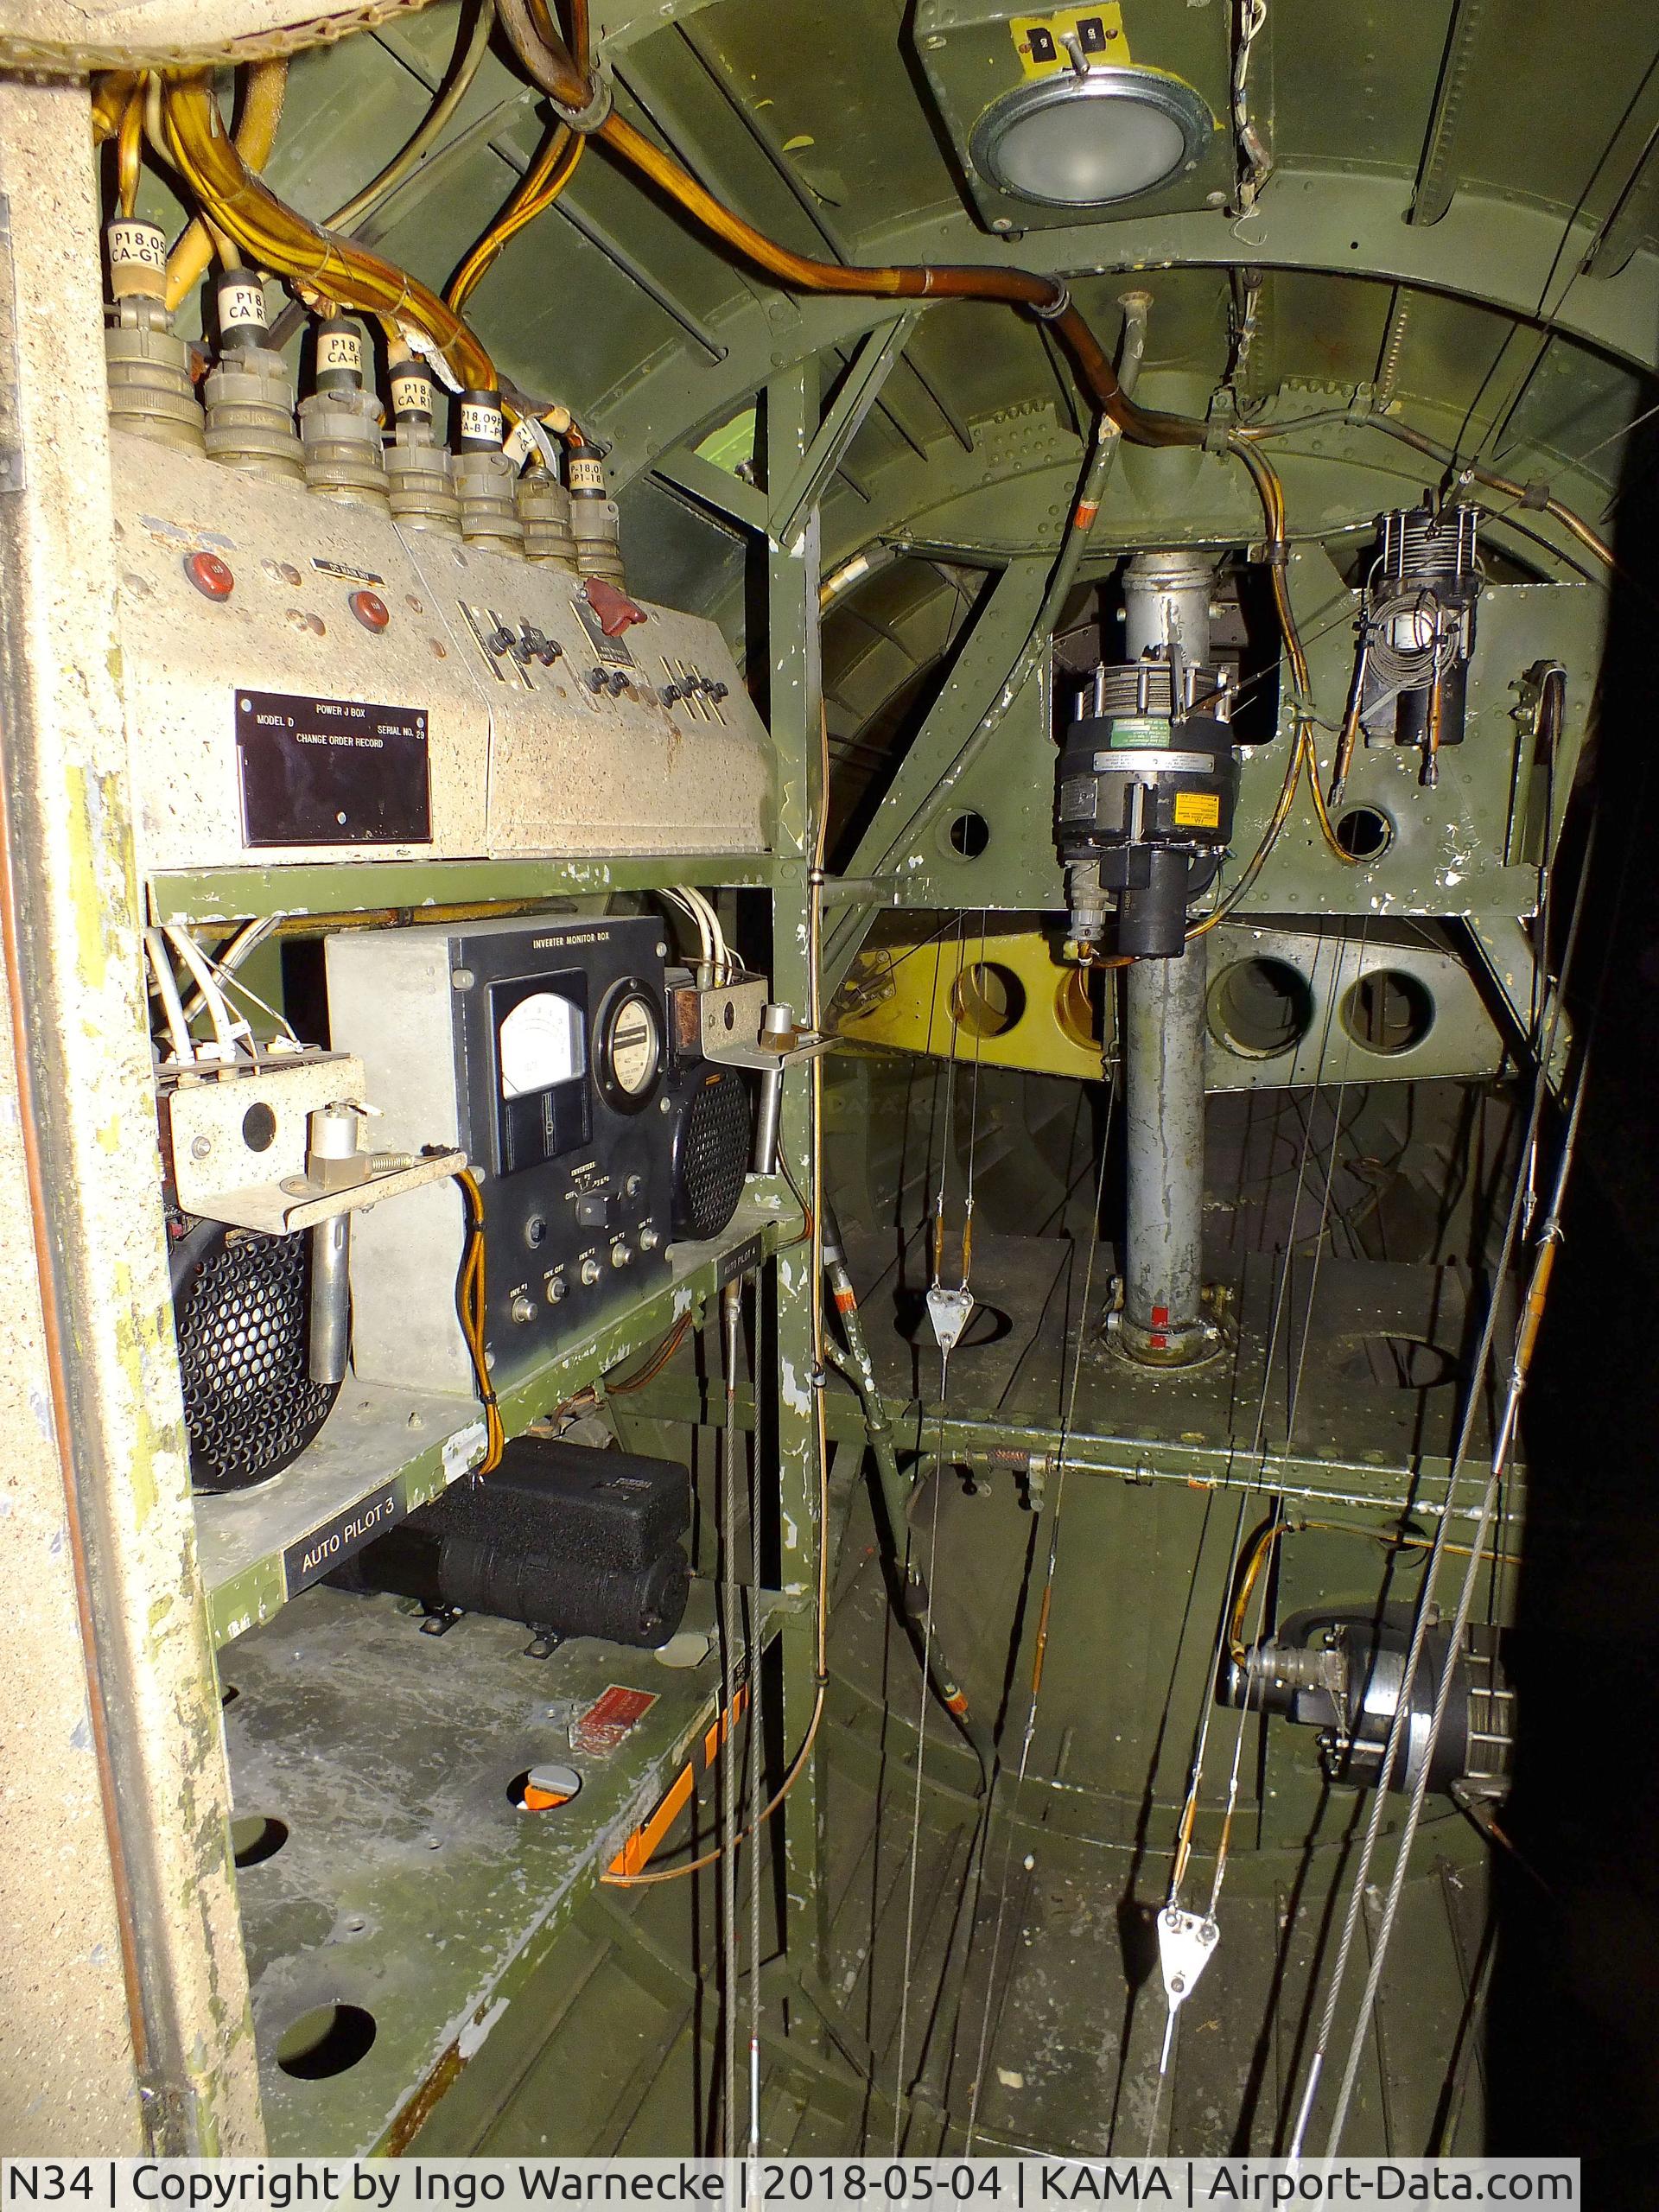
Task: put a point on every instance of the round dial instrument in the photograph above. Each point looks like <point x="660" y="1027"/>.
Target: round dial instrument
<point x="539" y="1044"/>
<point x="628" y="1056"/>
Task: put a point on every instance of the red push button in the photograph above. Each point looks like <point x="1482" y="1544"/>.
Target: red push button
<point x="370" y="610"/>
<point x="209" y="574"/>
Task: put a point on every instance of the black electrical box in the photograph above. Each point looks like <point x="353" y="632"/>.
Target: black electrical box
<point x="540" y="1048"/>
<point x="569" y="1540"/>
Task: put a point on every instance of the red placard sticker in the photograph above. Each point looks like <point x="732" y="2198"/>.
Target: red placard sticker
<point x="608" y="1720"/>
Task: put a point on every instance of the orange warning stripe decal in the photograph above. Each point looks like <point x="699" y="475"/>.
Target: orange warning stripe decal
<point x="721" y="1726"/>
<point x="646" y="1839"/>
<point x="641" y="1844"/>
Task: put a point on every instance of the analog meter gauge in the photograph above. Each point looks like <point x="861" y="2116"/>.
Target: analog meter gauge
<point x="628" y="1047"/>
<point x="540" y="1044"/>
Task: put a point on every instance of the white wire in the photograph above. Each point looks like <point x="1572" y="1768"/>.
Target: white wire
<point x="167" y="989"/>
<point x="704" y="905"/>
<point x="251" y="934"/>
<point x="224" y="1024"/>
<point x="680" y="896"/>
<point x="246" y="991"/>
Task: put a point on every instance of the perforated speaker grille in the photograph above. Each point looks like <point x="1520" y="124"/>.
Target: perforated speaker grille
<point x="241" y="1308"/>
<point x="711" y="1152"/>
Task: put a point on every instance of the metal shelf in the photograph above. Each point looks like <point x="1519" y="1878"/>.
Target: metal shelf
<point x="381" y="1443"/>
<point x="405" y="1884"/>
<point x="371" y="886"/>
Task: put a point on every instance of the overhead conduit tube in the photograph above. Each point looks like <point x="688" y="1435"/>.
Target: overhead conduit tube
<point x="586" y="106"/>
<point x="548" y="62"/>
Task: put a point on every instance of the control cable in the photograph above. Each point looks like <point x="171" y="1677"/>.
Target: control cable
<point x="1259" y="1455"/>
<point x="958" y="1705"/>
<point x="1546" y="1245"/>
<point x="1471" y="1403"/>
<point x="819" y="1426"/>
<point x="1040" y="1642"/>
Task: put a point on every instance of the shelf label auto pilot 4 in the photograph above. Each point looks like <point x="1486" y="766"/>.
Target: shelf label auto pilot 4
<point x="541" y="1048"/>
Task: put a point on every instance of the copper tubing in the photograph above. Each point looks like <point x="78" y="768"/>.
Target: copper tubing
<point x="256" y="134"/>
<point x="548" y="64"/>
<point x="1016" y="287"/>
<point x="1506" y="485"/>
<point x="275" y="237"/>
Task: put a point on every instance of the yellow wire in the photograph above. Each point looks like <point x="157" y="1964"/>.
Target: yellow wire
<point x="129" y="147"/>
<point x="1304" y="757"/>
<point x="536" y="190"/>
<point x="470" y="1305"/>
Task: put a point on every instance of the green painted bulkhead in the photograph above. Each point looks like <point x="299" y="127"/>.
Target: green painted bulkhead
<point x="1459" y="231"/>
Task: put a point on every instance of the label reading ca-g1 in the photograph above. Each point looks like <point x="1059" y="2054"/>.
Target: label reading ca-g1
<point x="332" y="1545"/>
<point x="331" y="772"/>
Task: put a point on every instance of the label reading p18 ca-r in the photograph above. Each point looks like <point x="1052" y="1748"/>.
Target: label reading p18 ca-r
<point x="331" y="772"/>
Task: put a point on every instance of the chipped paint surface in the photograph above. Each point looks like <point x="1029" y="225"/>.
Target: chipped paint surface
<point x="88" y="1057"/>
<point x="473" y="2036"/>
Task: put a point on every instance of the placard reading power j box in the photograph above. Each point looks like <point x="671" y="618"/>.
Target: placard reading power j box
<point x="331" y="772"/>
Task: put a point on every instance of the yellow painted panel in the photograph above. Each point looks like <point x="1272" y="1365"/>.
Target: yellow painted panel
<point x="1002" y="1000"/>
<point x="1099" y="32"/>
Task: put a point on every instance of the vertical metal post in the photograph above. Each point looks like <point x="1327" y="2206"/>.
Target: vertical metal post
<point x="1163" y="1102"/>
<point x="99" y="1447"/>
<point x="1167" y="612"/>
<point x="792" y="580"/>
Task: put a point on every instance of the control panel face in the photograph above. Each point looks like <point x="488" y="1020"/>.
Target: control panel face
<point x="305" y="681"/>
<point x="561" y="1057"/>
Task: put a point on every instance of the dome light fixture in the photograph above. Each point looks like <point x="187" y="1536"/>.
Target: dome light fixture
<point x="1091" y="140"/>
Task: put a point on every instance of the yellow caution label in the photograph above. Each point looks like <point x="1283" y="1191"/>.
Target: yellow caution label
<point x="1198" y="811"/>
<point x="1040" y="42"/>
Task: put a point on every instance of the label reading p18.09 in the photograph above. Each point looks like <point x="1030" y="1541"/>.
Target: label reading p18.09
<point x="331" y="772"/>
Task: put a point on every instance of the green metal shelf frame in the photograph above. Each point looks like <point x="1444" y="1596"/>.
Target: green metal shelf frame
<point x="993" y="1443"/>
<point x="464" y="1713"/>
<point x="241" y="1536"/>
<point x="327" y="888"/>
